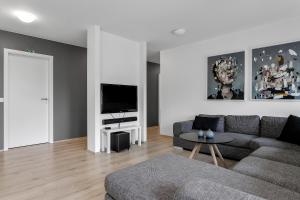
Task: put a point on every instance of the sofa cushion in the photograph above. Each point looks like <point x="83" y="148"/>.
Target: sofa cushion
<point x="159" y="178"/>
<point x="181" y="127"/>
<point x="291" y="130"/>
<point x="205" y="123"/>
<point x="240" y="140"/>
<point x="262" y="141"/>
<point x="284" y="175"/>
<point x="242" y="124"/>
<point x="277" y="154"/>
<point x="272" y="126"/>
<point x="221" y="123"/>
<point x="207" y="190"/>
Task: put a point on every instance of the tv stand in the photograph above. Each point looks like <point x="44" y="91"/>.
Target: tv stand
<point x="106" y="133"/>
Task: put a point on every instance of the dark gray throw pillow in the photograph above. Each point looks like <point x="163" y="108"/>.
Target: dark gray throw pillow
<point x="205" y="123"/>
<point x="291" y="130"/>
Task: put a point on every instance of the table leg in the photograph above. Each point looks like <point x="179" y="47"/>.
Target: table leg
<point x="102" y="140"/>
<point x="212" y="152"/>
<point x="220" y="155"/>
<point x="108" y="142"/>
<point x="132" y="134"/>
<point x="139" y="133"/>
<point x="195" y="151"/>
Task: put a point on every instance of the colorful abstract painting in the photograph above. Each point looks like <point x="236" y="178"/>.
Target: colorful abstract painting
<point x="226" y="76"/>
<point x="276" y="72"/>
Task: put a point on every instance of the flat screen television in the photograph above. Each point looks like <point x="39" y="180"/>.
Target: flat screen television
<point x="118" y="98"/>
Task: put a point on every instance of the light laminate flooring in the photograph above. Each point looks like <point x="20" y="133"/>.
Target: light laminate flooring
<point x="66" y="170"/>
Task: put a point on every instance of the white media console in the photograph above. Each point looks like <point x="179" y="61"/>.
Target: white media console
<point x="134" y="132"/>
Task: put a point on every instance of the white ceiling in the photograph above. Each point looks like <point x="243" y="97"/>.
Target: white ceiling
<point x="144" y="20"/>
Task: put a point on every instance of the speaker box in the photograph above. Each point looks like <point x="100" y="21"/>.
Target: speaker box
<point x="119" y="120"/>
<point x="120" y="141"/>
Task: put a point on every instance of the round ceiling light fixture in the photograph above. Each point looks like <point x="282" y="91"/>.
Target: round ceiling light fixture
<point x="179" y="32"/>
<point x="24" y="16"/>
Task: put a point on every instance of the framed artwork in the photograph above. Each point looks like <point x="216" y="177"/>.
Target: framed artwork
<point x="276" y="72"/>
<point x="226" y="76"/>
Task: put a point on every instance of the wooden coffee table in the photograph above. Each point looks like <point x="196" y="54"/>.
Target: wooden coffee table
<point x="212" y="144"/>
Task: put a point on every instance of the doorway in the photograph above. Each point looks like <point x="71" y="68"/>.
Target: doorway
<point x="28" y="98"/>
<point x="153" y="70"/>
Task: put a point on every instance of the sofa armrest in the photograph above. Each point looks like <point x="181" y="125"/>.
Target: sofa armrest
<point x="207" y="190"/>
<point x="181" y="127"/>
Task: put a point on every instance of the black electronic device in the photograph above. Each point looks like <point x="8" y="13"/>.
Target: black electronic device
<point x="120" y="141"/>
<point x="119" y="120"/>
<point x="118" y="98"/>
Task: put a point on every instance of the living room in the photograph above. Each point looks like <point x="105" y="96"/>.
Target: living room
<point x="129" y="100"/>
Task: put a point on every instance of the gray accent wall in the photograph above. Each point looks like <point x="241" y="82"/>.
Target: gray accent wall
<point x="70" y="84"/>
<point x="153" y="70"/>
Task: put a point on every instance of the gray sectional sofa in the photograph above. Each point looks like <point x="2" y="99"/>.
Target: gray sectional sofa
<point x="249" y="133"/>
<point x="266" y="173"/>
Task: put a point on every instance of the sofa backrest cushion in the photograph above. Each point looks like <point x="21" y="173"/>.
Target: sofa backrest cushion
<point x="247" y="124"/>
<point x="220" y="126"/>
<point x="182" y="127"/>
<point x="272" y="127"/>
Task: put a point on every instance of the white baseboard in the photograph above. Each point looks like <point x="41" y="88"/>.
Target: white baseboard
<point x="71" y="139"/>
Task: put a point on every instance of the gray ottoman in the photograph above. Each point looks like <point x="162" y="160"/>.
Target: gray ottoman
<point x="161" y="177"/>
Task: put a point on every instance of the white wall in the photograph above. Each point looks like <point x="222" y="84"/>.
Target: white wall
<point x="183" y="75"/>
<point x="122" y="63"/>
<point x="119" y="61"/>
<point x="94" y="44"/>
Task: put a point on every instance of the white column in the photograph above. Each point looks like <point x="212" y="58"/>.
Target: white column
<point x="142" y="103"/>
<point x="93" y="87"/>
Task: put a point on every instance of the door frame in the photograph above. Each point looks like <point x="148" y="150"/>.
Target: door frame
<point x="8" y="52"/>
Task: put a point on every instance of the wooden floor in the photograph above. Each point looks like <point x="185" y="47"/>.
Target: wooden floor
<point x="65" y="170"/>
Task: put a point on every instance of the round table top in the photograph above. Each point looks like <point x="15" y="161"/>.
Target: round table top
<point x="218" y="139"/>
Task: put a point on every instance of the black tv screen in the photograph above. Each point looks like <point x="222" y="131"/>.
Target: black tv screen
<point x="118" y="98"/>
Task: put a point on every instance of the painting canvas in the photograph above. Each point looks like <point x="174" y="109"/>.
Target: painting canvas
<point x="226" y="76"/>
<point x="276" y="72"/>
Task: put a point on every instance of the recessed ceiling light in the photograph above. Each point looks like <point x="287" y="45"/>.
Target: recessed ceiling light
<point x="179" y="31"/>
<point x="24" y="16"/>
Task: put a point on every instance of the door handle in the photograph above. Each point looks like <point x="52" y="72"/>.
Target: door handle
<point x="44" y="99"/>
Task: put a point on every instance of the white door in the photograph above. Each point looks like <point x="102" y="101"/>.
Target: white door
<point x="27" y="100"/>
